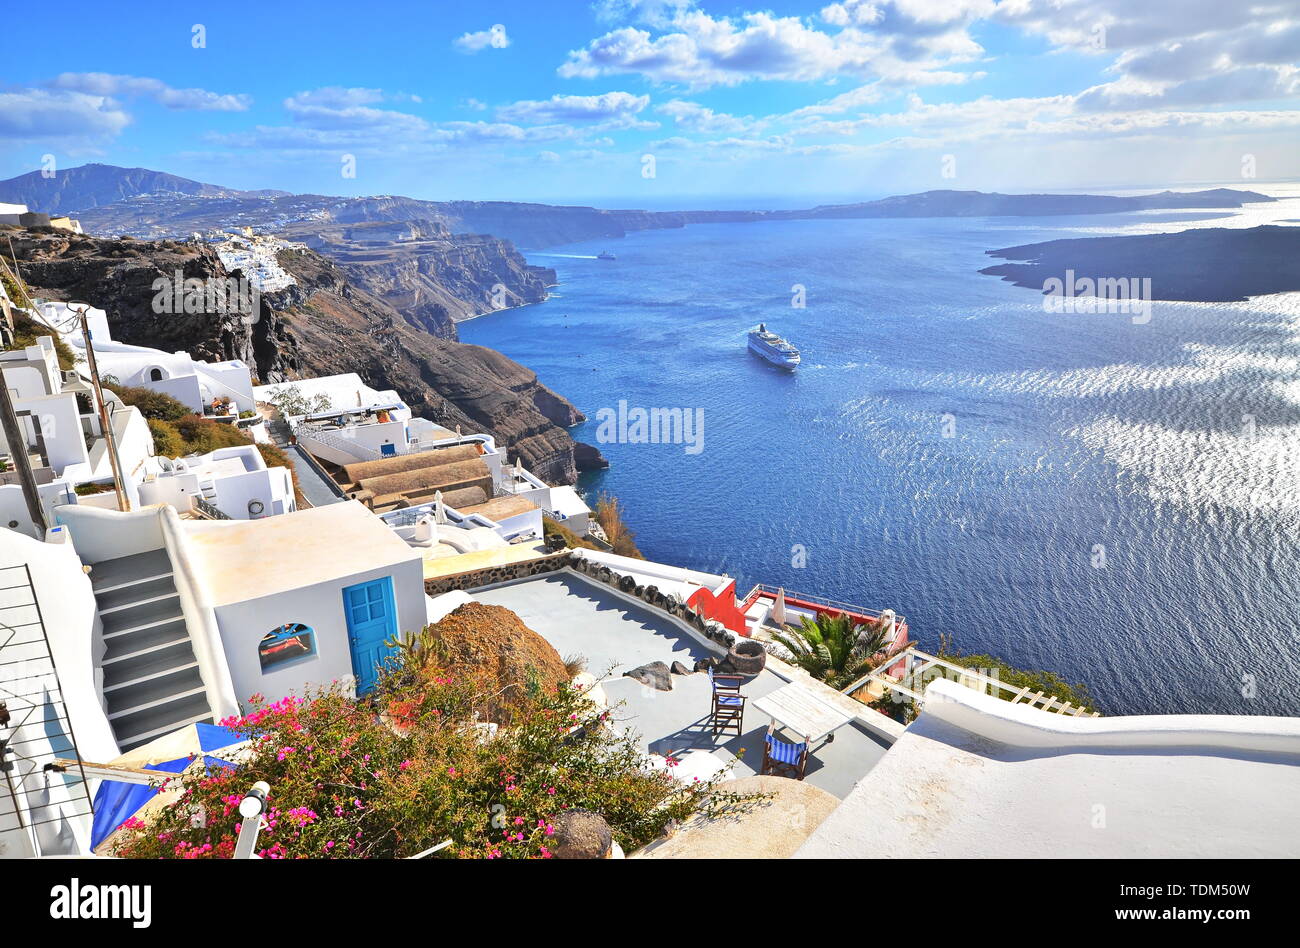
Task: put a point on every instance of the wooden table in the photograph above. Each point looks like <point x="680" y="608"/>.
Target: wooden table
<point x="797" y="709"/>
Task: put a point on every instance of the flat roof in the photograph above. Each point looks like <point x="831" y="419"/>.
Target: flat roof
<point x="239" y="560"/>
<point x="438" y="564"/>
<point x="498" y="508"/>
<point x="975" y="776"/>
<point x="579" y="616"/>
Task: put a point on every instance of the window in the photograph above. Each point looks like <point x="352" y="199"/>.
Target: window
<point x="285" y="645"/>
<point x="155" y="375"/>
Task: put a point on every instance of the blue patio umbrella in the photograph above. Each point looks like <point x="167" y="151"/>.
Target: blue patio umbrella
<point x="116" y="801"/>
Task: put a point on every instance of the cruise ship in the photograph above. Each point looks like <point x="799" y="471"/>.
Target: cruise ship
<point x="773" y="348"/>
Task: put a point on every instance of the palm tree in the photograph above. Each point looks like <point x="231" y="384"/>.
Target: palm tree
<point x="834" y="647"/>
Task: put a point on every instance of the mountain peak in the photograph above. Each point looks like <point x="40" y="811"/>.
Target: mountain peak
<point x="71" y="190"/>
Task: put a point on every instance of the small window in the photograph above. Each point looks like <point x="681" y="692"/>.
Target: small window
<point x="289" y="643"/>
<point x="155" y="375"/>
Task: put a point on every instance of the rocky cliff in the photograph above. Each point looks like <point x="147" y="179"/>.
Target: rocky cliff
<point x="324" y="325"/>
<point x="424" y="272"/>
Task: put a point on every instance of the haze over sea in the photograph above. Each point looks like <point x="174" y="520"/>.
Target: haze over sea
<point x="1175" y="445"/>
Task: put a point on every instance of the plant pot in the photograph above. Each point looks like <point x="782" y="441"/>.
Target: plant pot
<point x="748" y="657"/>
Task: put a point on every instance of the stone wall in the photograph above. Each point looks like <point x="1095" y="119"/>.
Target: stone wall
<point x="650" y="595"/>
<point x="491" y="575"/>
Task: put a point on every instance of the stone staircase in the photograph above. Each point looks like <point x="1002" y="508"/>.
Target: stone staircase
<point x="278" y="428"/>
<point x="151" y="676"/>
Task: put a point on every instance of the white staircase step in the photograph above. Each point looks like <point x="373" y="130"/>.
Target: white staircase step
<point x="135" y="740"/>
<point x="141" y="651"/>
<point x="139" y="602"/>
<point x="142" y="675"/>
<point x="158" y="702"/>
<point x="149" y="624"/>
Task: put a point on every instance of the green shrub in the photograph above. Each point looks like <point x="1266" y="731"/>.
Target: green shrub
<point x="1049" y="683"/>
<point x="151" y="404"/>
<point x="202" y="435"/>
<point x="166" y="439"/>
<point x="86" y="490"/>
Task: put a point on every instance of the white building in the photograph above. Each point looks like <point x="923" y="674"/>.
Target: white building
<point x="978" y="777"/>
<point x="562" y="504"/>
<point x="65" y="438"/>
<point x="256" y="256"/>
<point x="206" y="388"/>
<point x="12" y="213"/>
<point x="65" y="441"/>
<point x="226" y="484"/>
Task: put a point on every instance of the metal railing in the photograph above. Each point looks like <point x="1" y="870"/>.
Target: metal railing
<point x="31" y="696"/>
<point x="208" y="510"/>
<point x="818" y="601"/>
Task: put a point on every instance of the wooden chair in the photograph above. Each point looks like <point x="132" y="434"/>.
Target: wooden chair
<point x="728" y="712"/>
<point x="783" y="759"/>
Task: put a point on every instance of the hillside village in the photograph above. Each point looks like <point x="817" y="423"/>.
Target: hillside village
<point x="179" y="538"/>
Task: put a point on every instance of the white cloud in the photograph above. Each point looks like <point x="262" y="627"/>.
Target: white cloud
<point x="351" y="109"/>
<point x="56" y="115"/>
<point x="693" y="117"/>
<point x="704" y="51"/>
<point x="609" y="106"/>
<point x="108" y="84"/>
<point x="896" y="39"/>
<point x="492" y="38"/>
<point x="1244" y="84"/>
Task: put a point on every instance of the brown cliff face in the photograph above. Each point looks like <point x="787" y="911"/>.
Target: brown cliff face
<point x="428" y="275"/>
<point x="323" y="326"/>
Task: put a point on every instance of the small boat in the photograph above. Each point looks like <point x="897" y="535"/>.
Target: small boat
<point x="605" y="255"/>
<point x="768" y="345"/>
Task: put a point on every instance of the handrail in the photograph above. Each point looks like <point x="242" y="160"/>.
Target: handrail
<point x="349" y="445"/>
<point x="963" y="675"/>
<point x="209" y="510"/>
<point x="39" y="679"/>
<point x="819" y="601"/>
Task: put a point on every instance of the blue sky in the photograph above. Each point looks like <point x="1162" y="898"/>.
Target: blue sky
<point x="574" y="101"/>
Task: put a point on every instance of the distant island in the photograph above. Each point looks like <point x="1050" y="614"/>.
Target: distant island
<point x="111" y="201"/>
<point x="1206" y="265"/>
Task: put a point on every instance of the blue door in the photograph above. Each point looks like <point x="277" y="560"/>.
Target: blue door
<point x="372" y="618"/>
<point x="388" y="450"/>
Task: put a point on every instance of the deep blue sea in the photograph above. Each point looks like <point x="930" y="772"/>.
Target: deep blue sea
<point x="1172" y="449"/>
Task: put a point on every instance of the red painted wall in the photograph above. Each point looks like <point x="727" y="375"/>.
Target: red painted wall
<point x="721" y="608"/>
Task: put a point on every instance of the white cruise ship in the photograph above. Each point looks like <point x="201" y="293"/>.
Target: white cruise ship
<point x="773" y="348"/>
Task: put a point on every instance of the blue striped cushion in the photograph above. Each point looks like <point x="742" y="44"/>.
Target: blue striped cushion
<point x="733" y="700"/>
<point x="783" y="752"/>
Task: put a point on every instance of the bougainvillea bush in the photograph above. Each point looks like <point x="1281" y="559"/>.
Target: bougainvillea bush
<point x="394" y="775"/>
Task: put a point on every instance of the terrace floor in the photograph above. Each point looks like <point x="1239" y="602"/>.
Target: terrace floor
<point x="578" y="616"/>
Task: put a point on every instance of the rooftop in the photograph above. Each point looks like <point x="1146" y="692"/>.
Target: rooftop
<point x="246" y="559"/>
<point x="975" y="776"/>
<point x="579" y="616"/>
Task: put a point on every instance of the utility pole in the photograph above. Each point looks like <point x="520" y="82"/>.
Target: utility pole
<point x="105" y="419"/>
<point x="16" y="438"/>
